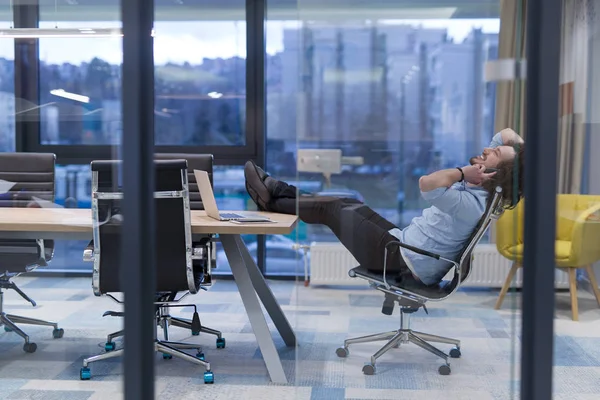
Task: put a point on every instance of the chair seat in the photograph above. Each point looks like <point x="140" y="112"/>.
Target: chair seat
<point x="562" y="251"/>
<point x="408" y="283"/>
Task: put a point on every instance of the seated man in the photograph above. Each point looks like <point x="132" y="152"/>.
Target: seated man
<point x="459" y="197"/>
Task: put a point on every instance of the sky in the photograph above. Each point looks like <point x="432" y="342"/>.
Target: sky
<point x="186" y="41"/>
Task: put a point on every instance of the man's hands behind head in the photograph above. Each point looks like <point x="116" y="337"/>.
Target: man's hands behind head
<point x="475" y="174"/>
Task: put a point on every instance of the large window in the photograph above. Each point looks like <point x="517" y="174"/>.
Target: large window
<point x="200" y="85"/>
<point x="200" y="97"/>
<point x="200" y="82"/>
<point x="406" y="95"/>
<point x="80" y="87"/>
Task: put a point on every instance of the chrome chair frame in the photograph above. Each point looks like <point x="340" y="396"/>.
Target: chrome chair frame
<point x="10" y="321"/>
<point x="411" y="300"/>
<point x="163" y="318"/>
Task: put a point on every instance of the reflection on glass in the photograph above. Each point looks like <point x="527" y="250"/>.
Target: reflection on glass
<point x="7" y="93"/>
<point x="200" y="85"/>
<point x="80" y="87"/>
<point x="73" y="190"/>
<point x="408" y="96"/>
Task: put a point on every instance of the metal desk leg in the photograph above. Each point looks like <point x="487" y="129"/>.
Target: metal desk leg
<point x="266" y="296"/>
<point x="252" y="306"/>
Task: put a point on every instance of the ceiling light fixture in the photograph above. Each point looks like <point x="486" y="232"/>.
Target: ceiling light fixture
<point x="39" y="33"/>
<point x="70" y="96"/>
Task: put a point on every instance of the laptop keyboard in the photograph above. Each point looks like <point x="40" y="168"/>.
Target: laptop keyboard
<point x="230" y="216"/>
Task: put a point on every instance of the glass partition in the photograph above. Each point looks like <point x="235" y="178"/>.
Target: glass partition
<point x="380" y="124"/>
<point x="60" y="91"/>
<point x="386" y="101"/>
<point x="577" y="250"/>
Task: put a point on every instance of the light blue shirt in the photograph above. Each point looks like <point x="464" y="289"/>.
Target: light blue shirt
<point x="444" y="227"/>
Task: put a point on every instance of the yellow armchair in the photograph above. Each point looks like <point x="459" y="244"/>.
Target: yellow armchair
<point x="577" y="241"/>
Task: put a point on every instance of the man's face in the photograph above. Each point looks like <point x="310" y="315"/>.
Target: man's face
<point x="490" y="158"/>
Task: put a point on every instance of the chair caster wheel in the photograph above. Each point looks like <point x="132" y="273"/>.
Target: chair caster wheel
<point x="194" y="333"/>
<point x="167" y="356"/>
<point x="29" y="347"/>
<point x="109" y="346"/>
<point x="200" y="356"/>
<point x="58" y="333"/>
<point x="455" y="352"/>
<point x="369" y="369"/>
<point x="85" y="374"/>
<point x="209" y="377"/>
<point x="220" y="343"/>
<point x="444" y="369"/>
<point x="7" y="329"/>
<point x="342" y="352"/>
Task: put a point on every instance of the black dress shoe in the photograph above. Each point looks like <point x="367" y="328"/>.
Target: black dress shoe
<point x="256" y="186"/>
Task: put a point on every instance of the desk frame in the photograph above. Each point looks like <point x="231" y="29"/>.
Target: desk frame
<point x="251" y="283"/>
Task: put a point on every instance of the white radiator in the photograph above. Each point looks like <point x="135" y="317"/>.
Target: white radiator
<point x="329" y="265"/>
<point x="489" y="269"/>
<point x="330" y="262"/>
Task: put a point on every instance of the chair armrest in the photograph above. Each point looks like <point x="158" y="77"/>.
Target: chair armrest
<point x="88" y="252"/>
<point x="585" y="237"/>
<point x="416" y="250"/>
<point x="198" y="252"/>
<point x="202" y="248"/>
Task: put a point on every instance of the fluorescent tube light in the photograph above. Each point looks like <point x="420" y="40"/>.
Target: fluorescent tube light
<point x="70" y="96"/>
<point x="37" y="33"/>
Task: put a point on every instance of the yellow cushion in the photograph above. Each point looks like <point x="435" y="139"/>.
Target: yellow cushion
<point x="562" y="250"/>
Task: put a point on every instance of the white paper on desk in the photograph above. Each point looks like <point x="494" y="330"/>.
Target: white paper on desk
<point x="5" y="186"/>
<point x="47" y="204"/>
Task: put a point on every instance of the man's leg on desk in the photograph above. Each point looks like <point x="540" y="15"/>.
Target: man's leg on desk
<point x="360" y="229"/>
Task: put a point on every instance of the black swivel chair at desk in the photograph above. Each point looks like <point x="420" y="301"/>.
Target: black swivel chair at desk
<point x="201" y="162"/>
<point x="26" y="177"/>
<point x="179" y="266"/>
<point x="413" y="295"/>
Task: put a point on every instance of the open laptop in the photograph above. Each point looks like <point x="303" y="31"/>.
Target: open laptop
<point x="210" y="204"/>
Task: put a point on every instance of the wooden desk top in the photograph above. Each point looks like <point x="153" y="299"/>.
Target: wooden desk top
<point x="71" y="220"/>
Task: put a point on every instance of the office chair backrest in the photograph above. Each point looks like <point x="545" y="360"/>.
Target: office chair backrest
<point x="202" y="162"/>
<point x="492" y="212"/>
<point x="173" y="246"/>
<point x="25" y="177"/>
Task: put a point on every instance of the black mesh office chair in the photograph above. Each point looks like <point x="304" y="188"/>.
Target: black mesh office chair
<point x="27" y="180"/>
<point x="179" y="267"/>
<point x="413" y="295"/>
